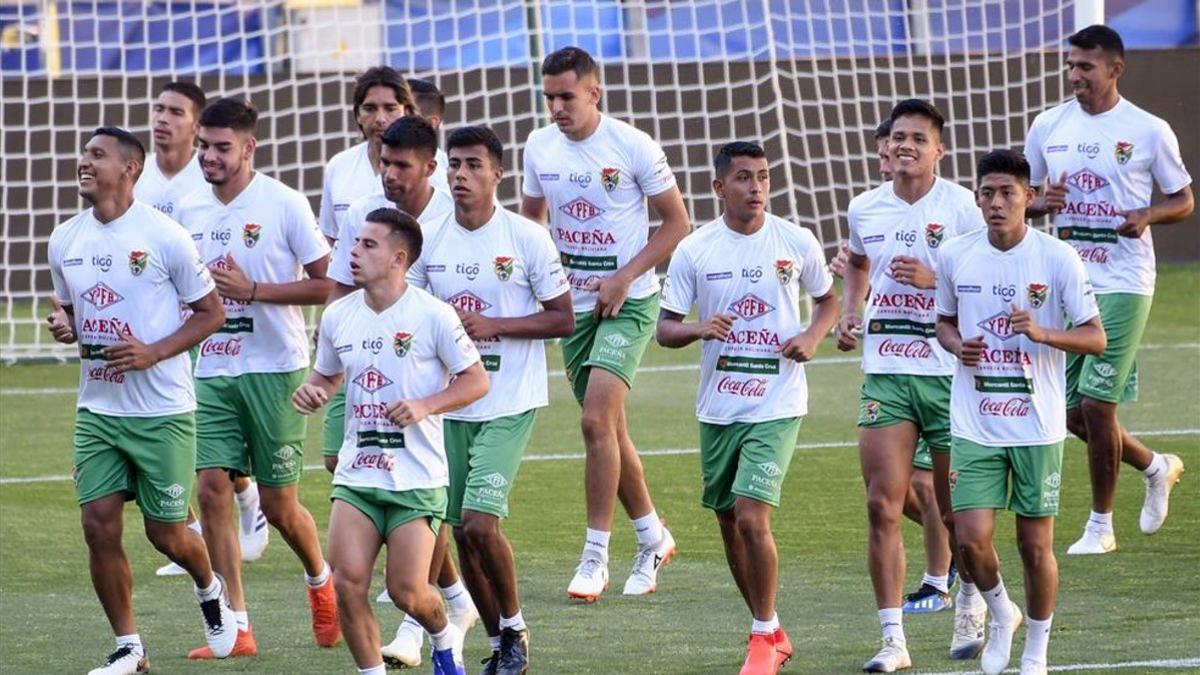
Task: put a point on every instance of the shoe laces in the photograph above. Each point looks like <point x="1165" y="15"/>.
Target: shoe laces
<point x="510" y="640"/>
<point x="642" y="559"/>
<point x="589" y="568"/>
<point x="211" y="609"/>
<point x="968" y="623"/>
<point x="118" y="654"/>
<point x="921" y="593"/>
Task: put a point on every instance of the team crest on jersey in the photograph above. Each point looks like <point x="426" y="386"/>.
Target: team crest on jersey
<point x="1037" y="295"/>
<point x="503" y="267"/>
<point x="1124" y="152"/>
<point x="784" y="271"/>
<point x="251" y="234"/>
<point x="137" y="262"/>
<point x="610" y="178"/>
<point x="402" y="343"/>
<point x="934" y="234"/>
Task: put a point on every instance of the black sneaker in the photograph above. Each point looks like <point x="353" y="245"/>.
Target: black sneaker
<point x="514" y="652"/>
<point x="490" y="664"/>
<point x="123" y="661"/>
<point x="927" y="600"/>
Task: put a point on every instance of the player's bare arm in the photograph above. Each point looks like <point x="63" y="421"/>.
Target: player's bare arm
<point x="801" y="348"/>
<point x="1051" y="198"/>
<point x="856" y="283"/>
<point x="968" y="351"/>
<point x="1174" y="208"/>
<point x="61" y="322"/>
<point x="132" y="354"/>
<point x="556" y="319"/>
<point x="234" y="284"/>
<point x="673" y="332"/>
<point x="314" y="394"/>
<point x="612" y="291"/>
<point x="465" y="388"/>
<point x="908" y="270"/>
<point x="534" y="208"/>
<point x="1086" y="338"/>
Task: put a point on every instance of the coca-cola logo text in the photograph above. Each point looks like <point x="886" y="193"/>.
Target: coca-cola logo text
<point x="914" y="349"/>
<point x="374" y="460"/>
<point x="105" y="374"/>
<point x="1093" y="254"/>
<point x="751" y="387"/>
<point x="1006" y="407"/>
<point x="231" y="347"/>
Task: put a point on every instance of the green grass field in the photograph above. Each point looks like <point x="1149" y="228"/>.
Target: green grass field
<point x="1138" y="605"/>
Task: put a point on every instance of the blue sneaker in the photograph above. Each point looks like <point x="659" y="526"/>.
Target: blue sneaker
<point x="444" y="663"/>
<point x="927" y="600"/>
<point x="951" y="575"/>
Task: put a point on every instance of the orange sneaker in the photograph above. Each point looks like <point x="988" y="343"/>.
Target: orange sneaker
<point x="783" y="647"/>
<point x="323" y="603"/>
<point x="243" y="646"/>
<point x="760" y="656"/>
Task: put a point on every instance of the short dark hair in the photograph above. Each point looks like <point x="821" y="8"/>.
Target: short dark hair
<point x="573" y="59"/>
<point x="131" y="147"/>
<point x="884" y="129"/>
<point x="465" y="137"/>
<point x="231" y="112"/>
<point x="1009" y="162"/>
<point x="411" y="133"/>
<point x="1107" y="39"/>
<point x="429" y="99"/>
<point x="402" y="226"/>
<point x="382" y="76"/>
<point x="189" y="90"/>
<point x="736" y="149"/>
<point x="919" y="107"/>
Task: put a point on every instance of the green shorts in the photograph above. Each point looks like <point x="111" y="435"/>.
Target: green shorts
<point x="483" y="458"/>
<point x="151" y="459"/>
<point x="980" y="477"/>
<point x="1112" y="376"/>
<point x="334" y="430"/>
<point x="247" y="424"/>
<point x="389" y="510"/>
<point x="615" y="344"/>
<point x="921" y="458"/>
<point x="745" y="459"/>
<point x="924" y="400"/>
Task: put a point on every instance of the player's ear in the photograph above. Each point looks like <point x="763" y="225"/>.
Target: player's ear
<point x="249" y="147"/>
<point x="719" y="188"/>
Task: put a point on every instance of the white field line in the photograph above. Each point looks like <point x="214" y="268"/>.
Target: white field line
<point x="570" y="456"/>
<point x="681" y="367"/>
<point x="1120" y="665"/>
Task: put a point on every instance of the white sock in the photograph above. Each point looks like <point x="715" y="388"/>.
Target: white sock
<point x="373" y="670"/>
<point x="194" y="526"/>
<point x="1101" y="520"/>
<point x="243" y="619"/>
<point x="937" y="582"/>
<point x="212" y="592"/>
<point x="891" y="620"/>
<point x="248" y="507"/>
<point x="597" y="544"/>
<point x="515" y="622"/>
<point x="648" y="528"/>
<point x="494" y="641"/>
<point x="133" y="641"/>
<point x="1157" y="466"/>
<point x="444" y="639"/>
<point x="998" y="603"/>
<point x="767" y="627"/>
<point x="1037" y="638"/>
<point x="968" y="596"/>
<point x="457" y="597"/>
<point x="319" y="580"/>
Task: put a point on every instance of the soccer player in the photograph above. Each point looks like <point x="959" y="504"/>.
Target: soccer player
<point x="408" y="359"/>
<point x="170" y="174"/>
<point x="431" y="104"/>
<point x="257" y="236"/>
<point x="1004" y="299"/>
<point x="896" y="230"/>
<point x="501" y="272"/>
<point x="120" y="270"/>
<point x="746" y="272"/>
<point x="592" y="175"/>
<point x="381" y="96"/>
<point x="1096" y="159"/>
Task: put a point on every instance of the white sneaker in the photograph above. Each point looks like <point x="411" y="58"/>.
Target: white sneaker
<point x="384" y="597"/>
<point x="405" y="650"/>
<point x="967" y="640"/>
<point x="643" y="578"/>
<point x="123" y="661"/>
<point x="170" y="570"/>
<point x="1158" y="492"/>
<point x="591" y="579"/>
<point x="892" y="657"/>
<point x="254" y="543"/>
<point x="463" y="617"/>
<point x="1094" y="542"/>
<point x="220" y="624"/>
<point x="1033" y="667"/>
<point x="999" y="645"/>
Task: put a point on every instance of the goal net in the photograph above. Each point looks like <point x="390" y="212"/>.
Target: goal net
<point x="808" y="79"/>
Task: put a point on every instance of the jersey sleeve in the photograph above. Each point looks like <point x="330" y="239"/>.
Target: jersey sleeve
<point x="679" y="287"/>
<point x="187" y="270"/>
<point x="328" y="362"/>
<point x="856" y="242"/>
<point x="1033" y="152"/>
<point x="1075" y="291"/>
<point x="1167" y="166"/>
<point x="650" y="167"/>
<point x="416" y="275"/>
<point x="328" y="223"/>
<point x="339" y="264"/>
<point x="531" y="186"/>
<point x="814" y="275"/>
<point x="455" y="348"/>
<point x="305" y="239"/>
<point x="62" y="292"/>
<point x="544" y="265"/>
<point x="945" y="300"/>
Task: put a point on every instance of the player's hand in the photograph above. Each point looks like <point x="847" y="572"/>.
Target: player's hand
<point x="837" y="266"/>
<point x="1023" y="323"/>
<point x="1054" y="195"/>
<point x="970" y="351"/>
<point x="130" y="354"/>
<point x="849" y="329"/>
<point x="611" y="293"/>
<point x="716" y="327"/>
<point x="1136" y="222"/>
<point x="60" y="324"/>
<point x="478" y="326"/>
<point x="404" y="413"/>
<point x="800" y="348"/>
<point x="908" y="270"/>
<point x="308" y="398"/>
<point x="331" y="463"/>
<point x="232" y="283"/>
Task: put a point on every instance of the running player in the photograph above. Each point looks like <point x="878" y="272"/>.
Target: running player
<point x="1013" y="290"/>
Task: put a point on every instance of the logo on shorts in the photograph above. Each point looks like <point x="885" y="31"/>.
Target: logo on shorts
<point x="771" y="469"/>
<point x="784" y="271"/>
<point x="503" y="267"/>
<point x="934" y="234"/>
<point x="1054" y="480"/>
<point x="251" y="234"/>
<point x="174" y="491"/>
<point x="617" y="341"/>
<point x="137" y="262"/>
<point x="1037" y="295"/>
<point x="610" y="178"/>
<point x="495" y="480"/>
<point x="871" y="410"/>
<point x="1124" y="152"/>
<point x="401" y="343"/>
<point x="284" y="453"/>
<point x="952" y="479"/>
<point x="1105" y="369"/>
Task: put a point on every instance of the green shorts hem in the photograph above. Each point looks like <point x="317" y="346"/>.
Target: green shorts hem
<point x="615" y="344"/>
<point x="923" y="400"/>
<point x="388" y="510"/>
<point x="1025" y="479"/>
<point x="745" y="459"/>
<point x="483" y="460"/>
<point x="247" y="425"/>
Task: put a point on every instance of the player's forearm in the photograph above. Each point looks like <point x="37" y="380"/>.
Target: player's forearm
<point x="1037" y="208"/>
<point x="327" y="383"/>
<point x="948" y="334"/>
<point x="675" y="333"/>
<point x="467" y="387"/>
<point x="546" y="324"/>
<point x="1174" y="208"/>
<point x="855" y="284"/>
<point x="303" y="292"/>
<point x="825" y="316"/>
<point x="1088" y="338"/>
<point x="207" y="316"/>
<point x="660" y="246"/>
<point x="338" y="292"/>
<point x="534" y="208"/>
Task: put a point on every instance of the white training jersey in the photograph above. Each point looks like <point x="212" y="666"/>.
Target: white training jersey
<point x="439" y="179"/>
<point x="348" y="176"/>
<point x="596" y="191"/>
<point x="503" y="269"/>
<point x="270" y="231"/>
<point x="124" y="278"/>
<point x="439" y="208"/>
<point x="1111" y="162"/>
<point x="164" y="193"/>
<point x="408" y="351"/>
<point x="759" y="278"/>
<point x="898" y="324"/>
<point x="1016" y="395"/>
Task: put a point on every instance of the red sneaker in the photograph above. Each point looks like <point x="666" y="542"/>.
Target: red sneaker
<point x="783" y="647"/>
<point x="243" y="646"/>
<point x="323" y="603"/>
<point x="760" y="656"/>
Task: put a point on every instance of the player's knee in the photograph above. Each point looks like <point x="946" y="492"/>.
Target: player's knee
<point x="752" y="522"/>
<point x="404" y="594"/>
<point x="1035" y="552"/>
<point x="101" y="530"/>
<point x="214" y="491"/>
<point x="597" y="427"/>
<point x="1097" y="414"/>
<point x="350" y="583"/>
<point x="947" y="518"/>
<point x="883" y="509"/>
<point x="1076" y="424"/>
<point x="479" y="529"/>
